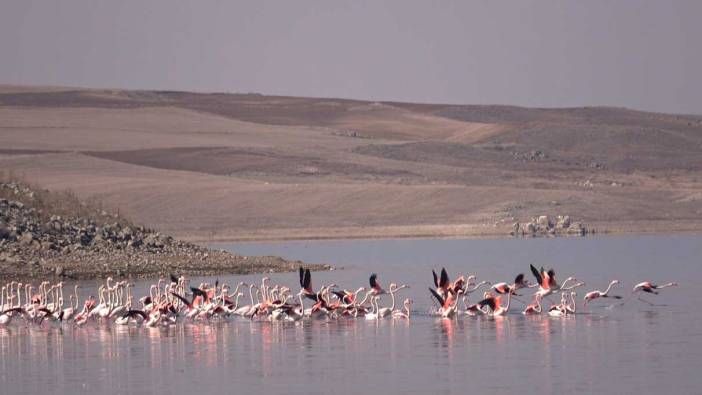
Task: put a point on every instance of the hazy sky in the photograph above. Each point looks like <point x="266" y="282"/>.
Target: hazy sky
<point x="640" y="54"/>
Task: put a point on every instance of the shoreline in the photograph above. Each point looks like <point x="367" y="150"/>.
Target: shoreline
<point x="443" y="232"/>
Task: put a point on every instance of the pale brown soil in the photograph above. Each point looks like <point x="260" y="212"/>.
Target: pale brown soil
<point x="210" y="167"/>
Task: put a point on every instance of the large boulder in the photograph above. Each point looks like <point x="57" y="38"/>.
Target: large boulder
<point x="563" y="222"/>
<point x="544" y="222"/>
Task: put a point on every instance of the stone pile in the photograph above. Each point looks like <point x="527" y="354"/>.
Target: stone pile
<point x="36" y="243"/>
<point x="545" y="226"/>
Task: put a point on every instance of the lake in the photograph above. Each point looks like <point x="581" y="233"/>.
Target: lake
<point x="635" y="348"/>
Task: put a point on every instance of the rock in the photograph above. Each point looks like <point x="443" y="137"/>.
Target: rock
<point x="60" y="271"/>
<point x="515" y="229"/>
<point x="153" y="241"/>
<point x="4" y="232"/>
<point x="531" y="227"/>
<point x="26" y="238"/>
<point x="563" y="222"/>
<point x="576" y="228"/>
<point x="543" y="221"/>
<point x="136" y="243"/>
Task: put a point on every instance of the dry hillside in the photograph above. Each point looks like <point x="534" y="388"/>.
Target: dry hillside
<point x="244" y="166"/>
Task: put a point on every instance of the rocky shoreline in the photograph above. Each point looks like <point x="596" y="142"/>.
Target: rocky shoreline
<point x="544" y="226"/>
<point x="43" y="234"/>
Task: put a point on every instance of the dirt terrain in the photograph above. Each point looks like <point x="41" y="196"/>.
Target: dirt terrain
<point x="219" y="166"/>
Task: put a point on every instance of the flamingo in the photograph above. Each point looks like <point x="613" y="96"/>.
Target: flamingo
<point x="449" y="306"/>
<point x="545" y="279"/>
<point x="651" y="288"/>
<point x="564" y="308"/>
<point x="592" y="295"/>
<point x="504" y="288"/>
<point x="441" y="283"/>
<point x="559" y="310"/>
<point x="373" y="315"/>
<point x="376" y="289"/>
<point x="534" y="308"/>
<point x="405" y="313"/>
<point x="386" y="311"/>
<point x="67" y="313"/>
<point x="494" y="303"/>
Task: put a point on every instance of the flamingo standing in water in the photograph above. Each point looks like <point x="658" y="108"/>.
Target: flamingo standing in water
<point x="373" y="314"/>
<point x="558" y="310"/>
<point x="403" y="313"/>
<point x="534" y="308"/>
<point x="592" y="295"/>
<point x="564" y="308"/>
<point x="386" y="311"/>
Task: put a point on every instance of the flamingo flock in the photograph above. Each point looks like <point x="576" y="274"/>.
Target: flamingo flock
<point x="175" y="300"/>
<point x="447" y="294"/>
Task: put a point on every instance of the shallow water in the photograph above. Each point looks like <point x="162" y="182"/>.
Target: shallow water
<point x="631" y="349"/>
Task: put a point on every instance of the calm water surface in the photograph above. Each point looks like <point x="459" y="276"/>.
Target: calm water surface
<point x="632" y="349"/>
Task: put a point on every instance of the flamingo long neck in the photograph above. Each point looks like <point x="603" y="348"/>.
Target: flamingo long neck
<point x="251" y="287"/>
<point x="365" y="298"/>
<point x="478" y="285"/>
<point x="302" y="304"/>
<point x="236" y="290"/>
<point x="572" y="301"/>
<point x="264" y="291"/>
<point x="407" y="310"/>
<point x="392" y="297"/>
<point x="563" y="285"/>
<point x="509" y="300"/>
<point x="608" y="288"/>
<point x="666" y="285"/>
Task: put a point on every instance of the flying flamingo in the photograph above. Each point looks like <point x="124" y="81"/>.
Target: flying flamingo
<point x="441" y="283"/>
<point x="651" y="288"/>
<point x="504" y="288"/>
<point x="592" y="295"/>
<point x="494" y="303"/>
<point x="548" y="284"/>
<point x="376" y="288"/>
<point x="449" y="306"/>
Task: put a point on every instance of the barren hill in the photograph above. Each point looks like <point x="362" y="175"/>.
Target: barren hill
<point x="247" y="166"/>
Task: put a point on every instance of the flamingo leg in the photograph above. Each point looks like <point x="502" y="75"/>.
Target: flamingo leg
<point x="646" y="301"/>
